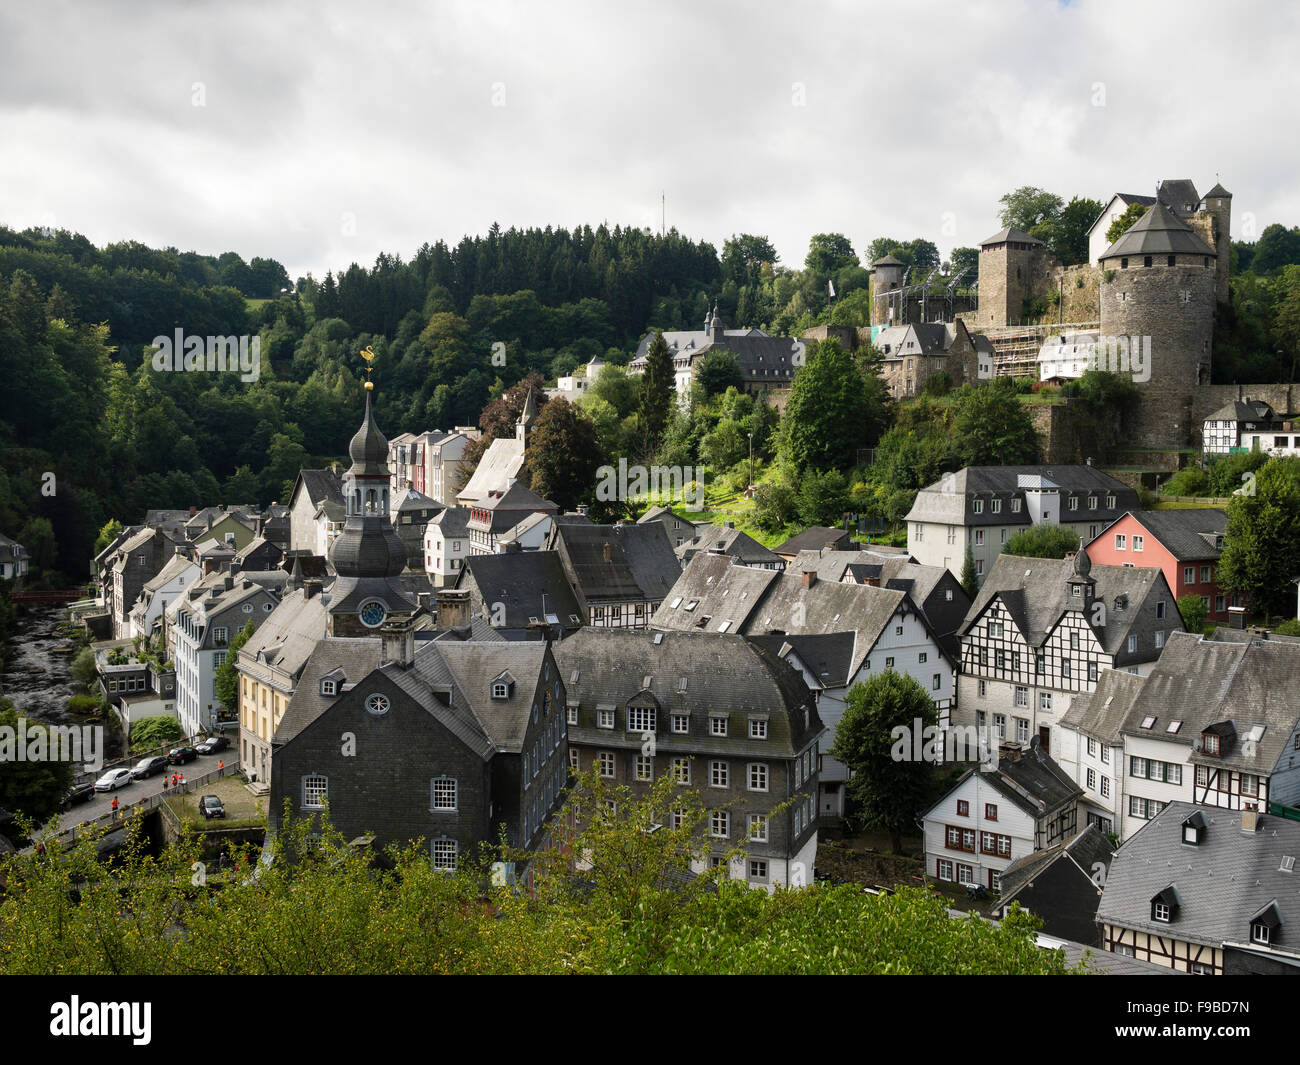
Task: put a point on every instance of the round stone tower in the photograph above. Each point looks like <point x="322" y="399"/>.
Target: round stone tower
<point x="1158" y="291"/>
<point x="1218" y="203"/>
<point x="886" y="276"/>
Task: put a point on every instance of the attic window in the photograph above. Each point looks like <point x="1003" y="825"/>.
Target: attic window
<point x="328" y="687"/>
<point x="659" y="638"/>
<point x="681" y="684"/>
<point x="1149" y="721"/>
<point x="1194" y="829"/>
<point x="1288" y="864"/>
<point x="1173" y="726"/>
<point x="676" y="603"/>
<point x="724" y="626"/>
<point x="645" y="681"/>
<point x="692" y="604"/>
<point x="500" y="690"/>
<point x="1265" y="924"/>
<point x="1164" y="906"/>
<point x="1211" y="744"/>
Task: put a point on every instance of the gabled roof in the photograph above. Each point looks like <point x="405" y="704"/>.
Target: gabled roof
<point x="357" y="657"/>
<point x="1188" y="535"/>
<point x="731" y="542"/>
<point x="608" y="667"/>
<point x="320" y="485"/>
<point x="1243" y="410"/>
<point x="1036" y="594"/>
<point x="720" y="589"/>
<point x="814" y="538"/>
<point x="286" y="639"/>
<point x="452" y="522"/>
<point x="948" y="500"/>
<point x="641" y="565"/>
<point x="496" y="470"/>
<point x="518" y="581"/>
<point x="176" y="565"/>
<point x="474" y="666"/>
<point x="413" y="499"/>
<point x="1085" y="850"/>
<point x="1223" y="882"/>
<point x="1178" y="195"/>
<point x="1158" y="232"/>
<point x="1218" y="191"/>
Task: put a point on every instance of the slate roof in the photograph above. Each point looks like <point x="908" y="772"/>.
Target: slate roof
<point x="1102" y="714"/>
<point x="1179" y="195"/>
<point x="320" y="485"/>
<point x="1244" y="410"/>
<point x="641" y="567"/>
<point x="1233" y="678"/>
<point x="413" y="499"/>
<point x="518" y="580"/>
<point x="731" y="542"/>
<point x="473" y="667"/>
<point x="815" y="538"/>
<point x="1218" y="190"/>
<point x="770" y="602"/>
<point x="1084" y="850"/>
<point x="1188" y="535"/>
<point x="948" y="501"/>
<point x="1158" y="232"/>
<point x="285" y="640"/>
<point x="1010" y="235"/>
<point x="608" y="667"/>
<point x="919" y="338"/>
<point x="685" y="340"/>
<point x="832" y="565"/>
<point x="1036" y="595"/>
<point x="827" y="656"/>
<point x="176" y="565"/>
<point x="1221" y="883"/>
<point x="355" y="657"/>
<point x="452" y="522"/>
<point x="888" y="260"/>
<point x="496" y="470"/>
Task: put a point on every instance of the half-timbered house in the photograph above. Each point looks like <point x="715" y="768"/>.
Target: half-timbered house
<point x="1042" y="631"/>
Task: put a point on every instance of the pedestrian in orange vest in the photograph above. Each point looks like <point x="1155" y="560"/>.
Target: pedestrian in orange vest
<point x="165" y="779"/>
<point x="221" y="769"/>
<point x="114" y="805"/>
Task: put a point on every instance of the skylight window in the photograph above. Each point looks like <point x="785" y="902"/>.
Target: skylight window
<point x="1149" y="721"/>
<point x="676" y="603"/>
<point x="1173" y="726"/>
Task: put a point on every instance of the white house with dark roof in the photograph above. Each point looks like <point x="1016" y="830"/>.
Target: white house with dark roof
<point x="982" y="507"/>
<point x="311" y="492"/>
<point x="1214" y="722"/>
<point x="834" y="634"/>
<point x="13" y="559"/>
<point x="1207" y="891"/>
<point x="1041" y="633"/>
<point x="1226" y="428"/>
<point x="992" y="818"/>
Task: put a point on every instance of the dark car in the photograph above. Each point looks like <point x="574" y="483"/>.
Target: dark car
<point x="147" y="767"/>
<point x="212" y="745"/>
<point x="211" y="806"/>
<point x="181" y="755"/>
<point x="82" y="792"/>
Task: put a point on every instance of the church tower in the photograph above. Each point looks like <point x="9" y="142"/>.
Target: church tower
<point x="368" y="555"/>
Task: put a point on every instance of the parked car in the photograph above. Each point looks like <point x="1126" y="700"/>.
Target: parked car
<point x="212" y="745"/>
<point x="147" y="767"/>
<point x="211" y="806"/>
<point x="181" y="755"/>
<point x="113" y="779"/>
<point x="78" y="793"/>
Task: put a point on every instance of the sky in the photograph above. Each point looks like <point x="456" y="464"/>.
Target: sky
<point x="322" y="134"/>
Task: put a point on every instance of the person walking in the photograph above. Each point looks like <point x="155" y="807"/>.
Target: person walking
<point x="115" y="807"/>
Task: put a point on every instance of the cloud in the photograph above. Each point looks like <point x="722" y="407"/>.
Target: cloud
<point x="424" y="122"/>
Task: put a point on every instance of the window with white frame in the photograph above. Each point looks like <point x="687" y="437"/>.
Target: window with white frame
<point x="680" y="723"/>
<point x="573" y="759"/>
<point x="758" y="728"/>
<point x="682" y="770"/>
<point x="1121" y="542"/>
<point x="718" y="774"/>
<point x="757" y="828"/>
<point x="1137" y="542"/>
<point x="315" y="792"/>
<point x="1022" y="696"/>
<point x="717" y="725"/>
<point x="943" y="869"/>
<point x="758" y="870"/>
<point x="1022" y="730"/>
<point x="571" y="715"/>
<point x="720" y="824"/>
<point x="606" y="761"/>
<point x="644" y="767"/>
<point x="640" y="719"/>
<point x="605" y="718"/>
<point x="444" y="793"/>
<point x="758" y="776"/>
<point x="444" y="854"/>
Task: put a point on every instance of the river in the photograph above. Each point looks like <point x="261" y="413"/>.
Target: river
<point x="37" y="677"/>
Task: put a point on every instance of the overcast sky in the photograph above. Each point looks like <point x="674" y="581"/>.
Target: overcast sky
<point x="322" y="133"/>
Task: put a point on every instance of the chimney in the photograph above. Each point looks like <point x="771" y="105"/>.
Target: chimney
<point x="1236" y="617"/>
<point x="193" y="511"/>
<point x="731" y="525"/>
<point x="453" y="608"/>
<point x="1250" y="820"/>
<point x="582" y="509"/>
<point x="605" y="551"/>
<point x="398" y="642"/>
<point x="236" y="565"/>
<point x="228" y="581"/>
<point x="311" y="589"/>
<point x="809" y="578"/>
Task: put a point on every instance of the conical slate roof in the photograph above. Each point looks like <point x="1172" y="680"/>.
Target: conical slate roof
<point x="1082" y="563"/>
<point x="369" y="447"/>
<point x="888" y="260"/>
<point x="1010" y="235"/>
<point x="1220" y="191"/>
<point x="1158" y="232"/>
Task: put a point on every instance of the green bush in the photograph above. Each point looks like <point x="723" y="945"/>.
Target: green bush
<point x="150" y="732"/>
<point x="1288" y="628"/>
<point x="1188" y="482"/>
<point x="83" y="705"/>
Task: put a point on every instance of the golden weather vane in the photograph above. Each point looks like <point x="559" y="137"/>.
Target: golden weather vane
<point x="368" y="353"/>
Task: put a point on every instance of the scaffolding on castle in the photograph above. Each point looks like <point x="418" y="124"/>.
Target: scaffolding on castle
<point x="1016" y="347"/>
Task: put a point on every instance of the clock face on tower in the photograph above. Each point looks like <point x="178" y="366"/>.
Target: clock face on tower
<point x="372" y="613"/>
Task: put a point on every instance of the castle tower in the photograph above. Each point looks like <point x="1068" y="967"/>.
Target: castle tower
<point x="886" y="276"/>
<point x="1012" y="265"/>
<point x="526" y="418"/>
<point x="368" y="555"/>
<point x="1218" y="205"/>
<point x="1081" y="586"/>
<point x="1158" y="282"/>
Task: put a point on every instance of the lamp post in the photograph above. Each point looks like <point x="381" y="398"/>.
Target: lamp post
<point x="751" y="461"/>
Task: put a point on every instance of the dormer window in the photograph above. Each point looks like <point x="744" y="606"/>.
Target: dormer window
<point x="328" y="687"/>
<point x="500" y="690"/>
<point x="1164" y="907"/>
<point x="1266" y="925"/>
<point x="1194" y="829"/>
<point x="1210" y="744"/>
